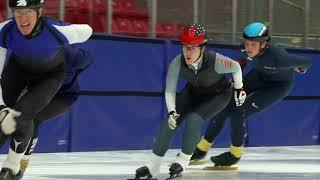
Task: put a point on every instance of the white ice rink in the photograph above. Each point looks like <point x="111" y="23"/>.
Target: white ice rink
<point x="259" y="163"/>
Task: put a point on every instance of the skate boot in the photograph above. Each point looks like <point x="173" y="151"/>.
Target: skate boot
<point x="143" y="173"/>
<point x="7" y="174"/>
<point x="198" y="155"/>
<point x="19" y="176"/>
<point x="201" y="151"/>
<point x="23" y="167"/>
<point x="225" y="159"/>
<point x="175" y="170"/>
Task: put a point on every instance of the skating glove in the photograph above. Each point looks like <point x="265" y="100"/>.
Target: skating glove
<point x="239" y="96"/>
<point x="172" y="119"/>
<point x="8" y="121"/>
<point x="300" y="70"/>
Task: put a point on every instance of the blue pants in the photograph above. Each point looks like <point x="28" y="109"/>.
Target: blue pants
<point x="260" y="96"/>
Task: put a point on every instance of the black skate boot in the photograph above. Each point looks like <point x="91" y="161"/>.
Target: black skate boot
<point x="175" y="170"/>
<point x="198" y="155"/>
<point x="7" y="174"/>
<point x="224" y="159"/>
<point x="23" y="167"/>
<point x="19" y="176"/>
<point x="143" y="173"/>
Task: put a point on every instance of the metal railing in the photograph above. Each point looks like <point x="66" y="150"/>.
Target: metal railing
<point x="237" y="10"/>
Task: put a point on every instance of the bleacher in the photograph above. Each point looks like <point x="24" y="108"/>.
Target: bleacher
<point x="2" y="10"/>
<point x="128" y="18"/>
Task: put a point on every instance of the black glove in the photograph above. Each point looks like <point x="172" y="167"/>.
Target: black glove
<point x="2" y="107"/>
<point x="239" y="96"/>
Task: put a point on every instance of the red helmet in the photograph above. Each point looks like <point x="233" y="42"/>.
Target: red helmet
<point x="194" y="34"/>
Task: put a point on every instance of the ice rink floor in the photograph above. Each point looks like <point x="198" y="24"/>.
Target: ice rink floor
<point x="259" y="163"/>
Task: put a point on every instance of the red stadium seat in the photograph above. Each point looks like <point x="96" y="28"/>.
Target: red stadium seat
<point x="2" y="5"/>
<point x="51" y="4"/>
<point x="140" y="27"/>
<point x="70" y="5"/>
<point x="76" y="17"/>
<point x="129" y="5"/>
<point x="127" y="8"/>
<point x="124" y="26"/>
<point x="1" y="18"/>
<point x="82" y="6"/>
<point x="179" y="29"/>
<point x="116" y="6"/>
<point x="80" y="18"/>
<point x="167" y="30"/>
<point x="99" y="6"/>
<point x="51" y="8"/>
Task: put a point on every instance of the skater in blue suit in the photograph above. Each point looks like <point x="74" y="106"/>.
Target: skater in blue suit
<point x="270" y="80"/>
<point x="32" y="78"/>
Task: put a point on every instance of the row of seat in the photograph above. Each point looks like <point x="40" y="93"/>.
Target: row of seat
<point x="2" y="10"/>
<point x="2" y="15"/>
<point x="126" y="26"/>
<point x="124" y="8"/>
<point x="123" y="26"/>
<point x="128" y="18"/>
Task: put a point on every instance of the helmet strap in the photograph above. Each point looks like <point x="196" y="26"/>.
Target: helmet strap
<point x="38" y="27"/>
<point x="261" y="50"/>
<point x="201" y="52"/>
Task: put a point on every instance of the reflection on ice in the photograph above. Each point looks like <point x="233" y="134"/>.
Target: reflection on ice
<point x="264" y="163"/>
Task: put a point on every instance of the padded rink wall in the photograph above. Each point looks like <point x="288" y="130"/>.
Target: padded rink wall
<point x="122" y="104"/>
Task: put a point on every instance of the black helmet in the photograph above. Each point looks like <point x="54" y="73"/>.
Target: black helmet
<point x="23" y="4"/>
<point x="256" y="32"/>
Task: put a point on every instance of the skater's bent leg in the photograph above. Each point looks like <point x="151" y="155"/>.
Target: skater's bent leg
<point x="216" y="125"/>
<point x="162" y="144"/>
<point x="163" y="139"/>
<point x="57" y="106"/>
<point x="192" y="132"/>
<point x="19" y="143"/>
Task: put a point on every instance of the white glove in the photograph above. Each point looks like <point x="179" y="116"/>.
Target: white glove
<point x="239" y="96"/>
<point x="300" y="70"/>
<point x="172" y="119"/>
<point x="8" y="121"/>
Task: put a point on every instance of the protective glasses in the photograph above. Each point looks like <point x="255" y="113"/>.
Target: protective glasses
<point x="25" y="12"/>
<point x="190" y="48"/>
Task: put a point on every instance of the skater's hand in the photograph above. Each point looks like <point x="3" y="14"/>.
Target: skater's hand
<point x="172" y="119"/>
<point x="239" y="96"/>
<point x="8" y="121"/>
<point x="2" y="107"/>
<point x="300" y="70"/>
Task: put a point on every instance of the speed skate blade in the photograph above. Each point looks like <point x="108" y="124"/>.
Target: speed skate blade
<point x="199" y="162"/>
<point x="143" y="178"/>
<point x="175" y="177"/>
<point x="221" y="168"/>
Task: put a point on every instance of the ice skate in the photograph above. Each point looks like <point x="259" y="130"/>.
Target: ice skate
<point x="7" y="174"/>
<point x="225" y="159"/>
<point x="200" y="153"/>
<point x="175" y="171"/>
<point x="19" y="176"/>
<point x="198" y="157"/>
<point x="143" y="173"/>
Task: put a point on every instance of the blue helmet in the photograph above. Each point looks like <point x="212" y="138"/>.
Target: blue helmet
<point x="256" y="32"/>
